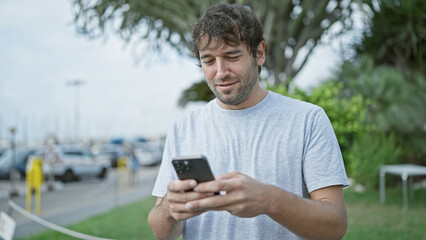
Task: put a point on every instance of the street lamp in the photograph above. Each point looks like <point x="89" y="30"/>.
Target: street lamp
<point x="13" y="190"/>
<point x="76" y="83"/>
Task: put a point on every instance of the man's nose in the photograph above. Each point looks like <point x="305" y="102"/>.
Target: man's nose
<point x="222" y="69"/>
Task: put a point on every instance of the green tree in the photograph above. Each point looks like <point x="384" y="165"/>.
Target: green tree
<point x="389" y="69"/>
<point x="368" y="153"/>
<point x="198" y="92"/>
<point x="292" y="28"/>
<point x="397" y="104"/>
<point x="396" y="34"/>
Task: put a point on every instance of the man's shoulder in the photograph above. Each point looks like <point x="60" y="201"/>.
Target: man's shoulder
<point x="293" y="104"/>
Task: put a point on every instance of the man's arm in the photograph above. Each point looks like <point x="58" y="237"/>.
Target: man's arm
<point x="321" y="217"/>
<point x="163" y="225"/>
<point x="167" y="216"/>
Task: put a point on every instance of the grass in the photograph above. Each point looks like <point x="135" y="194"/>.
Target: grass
<point x="370" y="220"/>
<point x="367" y="219"/>
<point x="127" y="222"/>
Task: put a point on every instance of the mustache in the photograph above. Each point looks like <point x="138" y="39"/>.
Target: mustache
<point x="225" y="80"/>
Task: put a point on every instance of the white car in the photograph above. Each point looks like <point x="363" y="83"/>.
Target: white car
<point x="148" y="154"/>
<point x="72" y="163"/>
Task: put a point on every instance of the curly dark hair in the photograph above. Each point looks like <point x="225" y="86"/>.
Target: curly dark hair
<point x="232" y="24"/>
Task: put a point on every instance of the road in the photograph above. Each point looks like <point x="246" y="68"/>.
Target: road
<point x="73" y="202"/>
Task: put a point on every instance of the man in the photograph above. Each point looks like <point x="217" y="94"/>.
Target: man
<point x="276" y="158"/>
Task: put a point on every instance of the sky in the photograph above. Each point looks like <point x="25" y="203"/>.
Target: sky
<point x="40" y="53"/>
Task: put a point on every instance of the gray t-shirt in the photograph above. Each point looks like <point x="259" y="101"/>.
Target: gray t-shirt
<point x="280" y="141"/>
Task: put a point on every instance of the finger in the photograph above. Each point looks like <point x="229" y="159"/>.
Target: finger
<point x="208" y="187"/>
<point x="227" y="175"/>
<point x="183" y="197"/>
<point x="217" y="202"/>
<point x="181" y="185"/>
<point x="180" y="212"/>
<point x="186" y="215"/>
<point x="217" y="186"/>
<point x="176" y="208"/>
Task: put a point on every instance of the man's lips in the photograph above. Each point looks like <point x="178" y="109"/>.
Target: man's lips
<point x="225" y="85"/>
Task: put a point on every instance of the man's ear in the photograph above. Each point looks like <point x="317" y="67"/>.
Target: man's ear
<point x="260" y="54"/>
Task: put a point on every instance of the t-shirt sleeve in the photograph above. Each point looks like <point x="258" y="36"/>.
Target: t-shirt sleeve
<point x="323" y="163"/>
<point x="165" y="174"/>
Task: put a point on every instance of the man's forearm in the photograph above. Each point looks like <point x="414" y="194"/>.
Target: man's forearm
<point x="314" y="219"/>
<point x="163" y="225"/>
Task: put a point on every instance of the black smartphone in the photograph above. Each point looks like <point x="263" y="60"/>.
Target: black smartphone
<point x="193" y="167"/>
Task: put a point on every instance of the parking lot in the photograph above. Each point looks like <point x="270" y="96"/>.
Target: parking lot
<point x="75" y="201"/>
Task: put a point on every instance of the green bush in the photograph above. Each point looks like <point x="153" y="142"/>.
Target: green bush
<point x="396" y="102"/>
<point x="368" y="152"/>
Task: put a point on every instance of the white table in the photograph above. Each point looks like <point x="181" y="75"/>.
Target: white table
<point x="405" y="171"/>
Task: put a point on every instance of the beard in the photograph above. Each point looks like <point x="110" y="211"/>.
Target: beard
<point x="242" y="92"/>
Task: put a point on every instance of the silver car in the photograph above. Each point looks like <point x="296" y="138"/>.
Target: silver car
<point x="148" y="154"/>
<point x="72" y="163"/>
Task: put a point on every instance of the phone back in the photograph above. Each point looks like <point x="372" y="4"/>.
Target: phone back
<point x="193" y="168"/>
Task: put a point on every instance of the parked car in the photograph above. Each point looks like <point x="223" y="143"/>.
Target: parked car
<point x="113" y="153"/>
<point x="21" y="159"/>
<point x="148" y="154"/>
<point x="75" y="162"/>
<point x="2" y="150"/>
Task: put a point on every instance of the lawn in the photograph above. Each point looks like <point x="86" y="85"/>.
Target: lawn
<point x="127" y="223"/>
<point x="370" y="220"/>
<point x="367" y="219"/>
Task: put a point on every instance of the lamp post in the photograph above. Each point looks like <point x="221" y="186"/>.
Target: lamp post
<point x="76" y="83"/>
<point x="1" y="127"/>
<point x="13" y="190"/>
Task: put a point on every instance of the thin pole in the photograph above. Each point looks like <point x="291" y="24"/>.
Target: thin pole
<point x="76" y="83"/>
<point x="13" y="190"/>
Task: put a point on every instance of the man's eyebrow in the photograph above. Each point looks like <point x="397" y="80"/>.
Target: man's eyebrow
<point x="232" y="52"/>
<point x="205" y="56"/>
<point x="236" y="51"/>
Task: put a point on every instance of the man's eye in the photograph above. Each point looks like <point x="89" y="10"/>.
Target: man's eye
<point x="208" y="62"/>
<point x="234" y="57"/>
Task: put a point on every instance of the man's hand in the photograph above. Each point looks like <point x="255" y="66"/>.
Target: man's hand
<point x="245" y="196"/>
<point x="321" y="217"/>
<point x="178" y="194"/>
